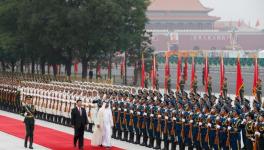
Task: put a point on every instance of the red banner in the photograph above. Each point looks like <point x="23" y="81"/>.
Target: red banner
<point x="178" y="73"/>
<point x="142" y="72"/>
<point x="167" y="73"/>
<point x="193" y="72"/>
<point x="222" y="74"/>
<point x="239" y="82"/>
<point x="206" y="74"/>
<point x="255" y="80"/>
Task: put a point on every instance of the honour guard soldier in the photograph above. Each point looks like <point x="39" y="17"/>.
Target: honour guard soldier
<point x="125" y="121"/>
<point x="137" y="121"/>
<point x="164" y="128"/>
<point x="143" y="124"/>
<point x="241" y="92"/>
<point x="209" y="87"/>
<point x="250" y="130"/>
<point x="195" y="85"/>
<point x="179" y="124"/>
<point x="131" y="123"/>
<point x="172" y="130"/>
<point x="150" y="126"/>
<point x="182" y="82"/>
<point x="204" y="127"/>
<point x="259" y="133"/>
<point x="225" y="88"/>
<point x="196" y="131"/>
<point x="29" y="112"/>
<point x="157" y="127"/>
<point x="169" y="83"/>
<point x="235" y="129"/>
<point x="259" y="90"/>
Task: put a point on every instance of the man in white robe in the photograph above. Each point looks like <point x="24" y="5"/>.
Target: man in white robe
<point x="107" y="126"/>
<point x="97" y="136"/>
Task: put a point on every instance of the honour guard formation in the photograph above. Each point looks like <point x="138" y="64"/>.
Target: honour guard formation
<point x="168" y="121"/>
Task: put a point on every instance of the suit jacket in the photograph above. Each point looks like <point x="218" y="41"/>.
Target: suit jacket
<point x="78" y="120"/>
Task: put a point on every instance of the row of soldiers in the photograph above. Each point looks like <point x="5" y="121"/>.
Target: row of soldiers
<point x="173" y="119"/>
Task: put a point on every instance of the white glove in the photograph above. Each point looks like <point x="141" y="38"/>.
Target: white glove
<point x="200" y="115"/>
<point x="217" y="118"/>
<point x="166" y="117"/>
<point x="256" y="124"/>
<point x="257" y="133"/>
<point x="228" y="119"/>
<point x="145" y="114"/>
<point x="151" y="115"/>
<point x="228" y="128"/>
<point x="182" y="112"/>
<point x="183" y="120"/>
<point x="125" y="109"/>
<point x="243" y="121"/>
<point x="25" y="114"/>
<point x="200" y="123"/>
<point x="131" y="111"/>
<point x="119" y="108"/>
<point x="209" y="125"/>
<point x="191" y="113"/>
<point x="218" y="127"/>
<point x="173" y="118"/>
<point x="208" y="116"/>
<point x="191" y="121"/>
<point x="138" y="113"/>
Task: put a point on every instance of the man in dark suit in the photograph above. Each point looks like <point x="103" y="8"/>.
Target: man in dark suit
<point x="28" y="111"/>
<point x="79" y="121"/>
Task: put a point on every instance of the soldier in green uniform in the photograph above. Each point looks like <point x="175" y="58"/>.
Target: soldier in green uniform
<point x="225" y="88"/>
<point x="259" y="90"/>
<point x="29" y="112"/>
<point x="169" y="83"/>
<point x="241" y="93"/>
<point x="182" y="82"/>
<point x="259" y="134"/>
<point x="209" y="87"/>
<point x="195" y="85"/>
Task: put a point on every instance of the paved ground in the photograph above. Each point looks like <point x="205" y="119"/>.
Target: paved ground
<point x="9" y="142"/>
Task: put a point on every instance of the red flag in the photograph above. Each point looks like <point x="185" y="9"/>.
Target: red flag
<point x="76" y="67"/>
<point x="206" y="73"/>
<point x="154" y="72"/>
<point x="186" y="69"/>
<point x="257" y="23"/>
<point x="178" y="73"/>
<point x="255" y="80"/>
<point x="222" y="74"/>
<point x="167" y="72"/>
<point x="193" y="72"/>
<point x="239" y="82"/>
<point x="142" y="72"/>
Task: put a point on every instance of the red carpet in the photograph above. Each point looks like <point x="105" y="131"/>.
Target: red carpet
<point x="43" y="136"/>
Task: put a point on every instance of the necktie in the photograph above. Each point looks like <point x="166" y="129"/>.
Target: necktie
<point x="80" y="110"/>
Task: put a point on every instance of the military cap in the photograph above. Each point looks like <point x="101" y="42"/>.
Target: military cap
<point x="28" y="97"/>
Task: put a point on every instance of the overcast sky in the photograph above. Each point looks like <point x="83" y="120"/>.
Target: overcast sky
<point x="248" y="10"/>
